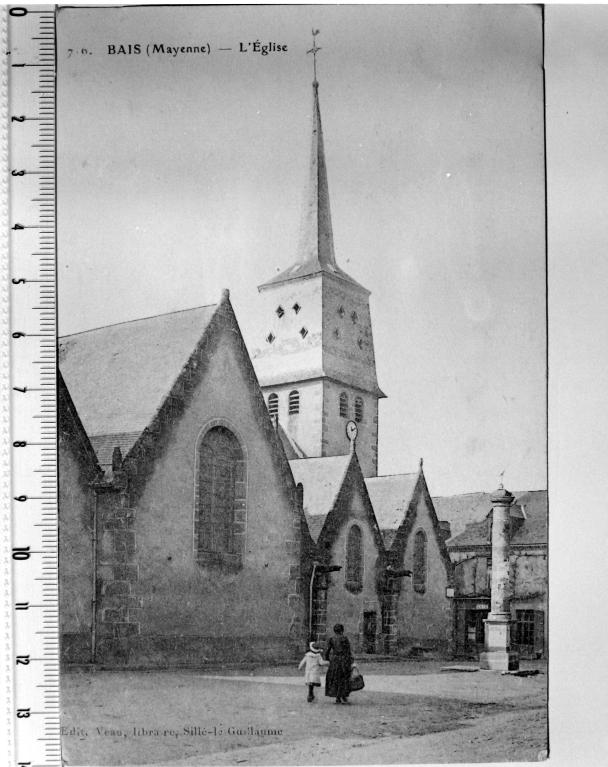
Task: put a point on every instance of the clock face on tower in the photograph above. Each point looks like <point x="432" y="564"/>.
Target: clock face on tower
<point x="351" y="430"/>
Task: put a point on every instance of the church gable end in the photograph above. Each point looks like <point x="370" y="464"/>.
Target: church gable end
<point x="352" y="502"/>
<point x="352" y="540"/>
<point x="218" y="518"/>
<point x="424" y="609"/>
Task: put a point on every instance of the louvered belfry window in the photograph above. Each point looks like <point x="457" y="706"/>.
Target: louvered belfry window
<point x="294" y="402"/>
<point x="358" y="409"/>
<point x="419" y="575"/>
<point x="221" y="497"/>
<point x="273" y="404"/>
<point x="344" y="405"/>
<point x="354" y="559"/>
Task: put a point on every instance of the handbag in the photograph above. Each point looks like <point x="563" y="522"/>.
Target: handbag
<point x="356" y="679"/>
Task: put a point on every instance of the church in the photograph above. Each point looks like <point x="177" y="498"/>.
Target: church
<point x="223" y="504"/>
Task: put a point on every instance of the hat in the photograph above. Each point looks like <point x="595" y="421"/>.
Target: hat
<point x="314" y="648"/>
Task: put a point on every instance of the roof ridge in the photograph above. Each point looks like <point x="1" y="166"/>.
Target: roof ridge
<point x="321" y="457"/>
<point x="516" y="493"/>
<point x="521" y="492"/>
<point x="388" y="476"/>
<point x="137" y="319"/>
<point x="113" y="434"/>
<point x="461" y="495"/>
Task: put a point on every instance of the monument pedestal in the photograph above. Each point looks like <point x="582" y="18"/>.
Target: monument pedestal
<point x="499" y="660"/>
<point x="497" y="655"/>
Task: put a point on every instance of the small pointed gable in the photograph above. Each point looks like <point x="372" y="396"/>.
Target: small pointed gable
<point x="322" y="480"/>
<point x="395" y="499"/>
<point x="391" y="497"/>
<point x="328" y="484"/>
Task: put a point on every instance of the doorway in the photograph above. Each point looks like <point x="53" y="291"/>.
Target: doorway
<point x="369" y="631"/>
<point x="475" y="630"/>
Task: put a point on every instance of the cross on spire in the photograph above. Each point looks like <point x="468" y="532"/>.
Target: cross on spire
<point x="314" y="50"/>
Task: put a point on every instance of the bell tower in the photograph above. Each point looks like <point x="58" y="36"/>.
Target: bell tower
<point x="315" y="358"/>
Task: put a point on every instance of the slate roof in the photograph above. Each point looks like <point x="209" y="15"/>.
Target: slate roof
<point x="535" y="507"/>
<point x="461" y="510"/>
<point x="70" y="425"/>
<point x="390" y="497"/>
<point x="308" y="269"/>
<point x="529" y="512"/>
<point x="104" y="445"/>
<point x="292" y="450"/>
<point x="322" y="479"/>
<point x="119" y="375"/>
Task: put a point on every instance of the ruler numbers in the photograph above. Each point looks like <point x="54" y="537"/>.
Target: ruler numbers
<point x="33" y="329"/>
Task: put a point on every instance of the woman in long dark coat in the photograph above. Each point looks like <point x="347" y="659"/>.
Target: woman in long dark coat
<point x="337" y="681"/>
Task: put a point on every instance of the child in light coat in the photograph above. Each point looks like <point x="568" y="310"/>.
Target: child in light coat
<point x="313" y="660"/>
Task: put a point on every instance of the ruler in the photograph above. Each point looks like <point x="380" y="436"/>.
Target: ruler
<point x="33" y="439"/>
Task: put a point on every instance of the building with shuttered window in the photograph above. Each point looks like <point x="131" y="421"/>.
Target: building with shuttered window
<point x="471" y="554"/>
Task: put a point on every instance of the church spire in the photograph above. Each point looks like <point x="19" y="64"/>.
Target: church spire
<point x="315" y="251"/>
<point x="315" y="355"/>
<point x="316" y="243"/>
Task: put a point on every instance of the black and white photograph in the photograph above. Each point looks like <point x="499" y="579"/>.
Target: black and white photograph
<point x="301" y="384"/>
<point x="303" y="413"/>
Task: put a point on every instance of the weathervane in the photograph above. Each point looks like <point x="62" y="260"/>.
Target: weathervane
<point x="314" y="50"/>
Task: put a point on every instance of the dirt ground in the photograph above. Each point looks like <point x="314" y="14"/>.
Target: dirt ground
<point x="408" y="713"/>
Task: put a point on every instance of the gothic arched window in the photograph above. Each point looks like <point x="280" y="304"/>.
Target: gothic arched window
<point x="344" y="405"/>
<point x="358" y="409"/>
<point x="273" y="404"/>
<point x="419" y="575"/>
<point x="294" y="402"/>
<point x="354" y="559"/>
<point x="221" y="498"/>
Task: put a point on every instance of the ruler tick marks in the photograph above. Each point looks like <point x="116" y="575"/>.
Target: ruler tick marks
<point x="33" y="204"/>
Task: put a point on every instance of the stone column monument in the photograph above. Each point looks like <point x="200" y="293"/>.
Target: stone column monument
<point x="498" y="655"/>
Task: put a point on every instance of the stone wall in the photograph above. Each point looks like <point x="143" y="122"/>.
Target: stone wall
<point x="335" y="441"/>
<point x="192" y="612"/>
<point x="528" y="581"/>
<point x="343" y="604"/>
<point x="348" y="346"/>
<point x="75" y="553"/>
<point x="119" y="602"/>
<point x="305" y="427"/>
<point x="424" y="619"/>
<point x="328" y="339"/>
<point x="296" y="347"/>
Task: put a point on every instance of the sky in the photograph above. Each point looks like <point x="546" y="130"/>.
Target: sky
<point x="180" y="176"/>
